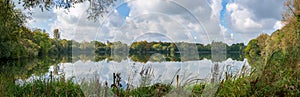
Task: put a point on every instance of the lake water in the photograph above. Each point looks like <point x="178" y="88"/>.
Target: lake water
<point x="137" y="72"/>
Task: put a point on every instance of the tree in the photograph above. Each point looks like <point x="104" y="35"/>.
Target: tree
<point x="157" y="47"/>
<point x="56" y="34"/>
<point x="252" y="48"/>
<point x="138" y="46"/>
<point x="293" y="11"/>
<point x="11" y="25"/>
<point x="96" y="7"/>
<point x="42" y="39"/>
<point x="64" y="46"/>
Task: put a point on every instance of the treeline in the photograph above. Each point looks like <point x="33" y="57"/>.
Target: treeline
<point x="36" y="43"/>
<point x="17" y="41"/>
<point x="163" y="47"/>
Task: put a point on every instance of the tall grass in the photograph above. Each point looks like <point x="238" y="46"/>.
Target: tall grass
<point x="275" y="79"/>
<point x="40" y="88"/>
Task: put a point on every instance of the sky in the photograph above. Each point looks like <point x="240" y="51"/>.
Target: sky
<point x="203" y="21"/>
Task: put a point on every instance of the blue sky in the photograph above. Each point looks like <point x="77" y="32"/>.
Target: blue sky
<point x="223" y="12"/>
<point x="237" y="21"/>
<point x="123" y="10"/>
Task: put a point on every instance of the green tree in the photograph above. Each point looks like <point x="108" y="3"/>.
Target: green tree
<point x="252" y="48"/>
<point x="138" y="47"/>
<point x="43" y="40"/>
<point x="64" y="46"/>
<point x="172" y="48"/>
<point x="11" y="31"/>
<point x="157" y="47"/>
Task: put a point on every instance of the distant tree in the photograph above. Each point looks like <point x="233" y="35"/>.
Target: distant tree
<point x="42" y="39"/>
<point x="56" y="34"/>
<point x="138" y="46"/>
<point x="157" y="47"/>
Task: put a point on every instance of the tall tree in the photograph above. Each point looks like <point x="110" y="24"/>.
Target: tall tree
<point x="11" y="24"/>
<point x="56" y="34"/>
<point x="293" y="11"/>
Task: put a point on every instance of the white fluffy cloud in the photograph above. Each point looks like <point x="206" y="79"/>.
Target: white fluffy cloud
<point x="73" y="23"/>
<point x="241" y="18"/>
<point x="172" y="20"/>
<point x="248" y="18"/>
<point x="38" y="19"/>
<point x="180" y="20"/>
<point x="278" y="25"/>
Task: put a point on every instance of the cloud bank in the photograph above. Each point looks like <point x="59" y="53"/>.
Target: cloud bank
<point x="168" y="20"/>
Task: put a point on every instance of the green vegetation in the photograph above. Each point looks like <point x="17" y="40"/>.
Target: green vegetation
<point x="17" y="41"/>
<point x="11" y="71"/>
<point x="276" y="62"/>
<point x="178" y="47"/>
<point x="42" y="88"/>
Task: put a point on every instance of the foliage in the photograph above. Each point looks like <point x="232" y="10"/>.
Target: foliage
<point x="292" y="12"/>
<point x="197" y="89"/>
<point x="11" y="29"/>
<point x="96" y="8"/>
<point x="252" y="48"/>
<point x="236" y="88"/>
<point x="17" y="41"/>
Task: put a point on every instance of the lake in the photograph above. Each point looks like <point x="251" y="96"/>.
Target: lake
<point x="134" y="70"/>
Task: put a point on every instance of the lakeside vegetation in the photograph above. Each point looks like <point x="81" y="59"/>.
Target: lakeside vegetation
<point x="275" y="60"/>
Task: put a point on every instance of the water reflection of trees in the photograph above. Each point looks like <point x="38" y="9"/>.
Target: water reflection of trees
<point x="38" y="66"/>
<point x="22" y="69"/>
<point x="178" y="57"/>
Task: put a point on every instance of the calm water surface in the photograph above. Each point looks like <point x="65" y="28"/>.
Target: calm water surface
<point x="156" y="70"/>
